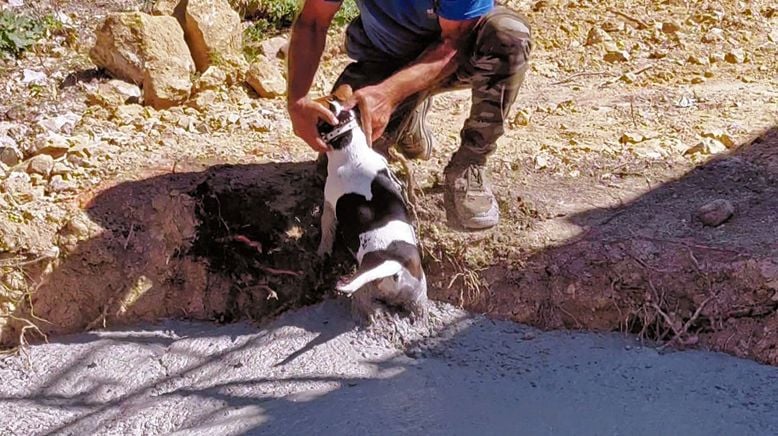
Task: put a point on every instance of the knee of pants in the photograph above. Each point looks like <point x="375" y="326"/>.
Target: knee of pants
<point x="505" y="35"/>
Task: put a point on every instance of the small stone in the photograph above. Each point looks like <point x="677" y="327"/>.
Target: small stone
<point x="61" y="169"/>
<point x="611" y="26"/>
<point x="716" y="212"/>
<point x="114" y="93"/>
<point x="10" y="155"/>
<point x="41" y="164"/>
<point x="596" y="36"/>
<point x="614" y="54"/>
<point x="60" y="123"/>
<point x="58" y="184"/>
<point x="697" y="60"/>
<point x="53" y="144"/>
<point x="212" y="78"/>
<point x="32" y="77"/>
<point x="204" y="100"/>
<point x="670" y="27"/>
<point x="698" y="79"/>
<point x="713" y="35"/>
<point x="737" y="56"/>
<point x="707" y="146"/>
<point x="522" y="118"/>
<point x="719" y="135"/>
<point x="276" y="47"/>
<point x="716" y="58"/>
<point x="628" y="77"/>
<point x="266" y="79"/>
<point x="708" y="73"/>
<point x="631" y="138"/>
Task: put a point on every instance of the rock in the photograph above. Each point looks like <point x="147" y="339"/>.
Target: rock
<point x="10" y="155"/>
<point x="616" y="56"/>
<point x="41" y="164"/>
<point x="214" y="33"/>
<point x="719" y="135"/>
<point x="628" y="77"/>
<point x="266" y="79"/>
<point x="713" y="35"/>
<point x="53" y="144"/>
<point x="596" y="36"/>
<point x="277" y="47"/>
<point x="716" y="57"/>
<point x="146" y="50"/>
<point x="58" y="184"/>
<point x="611" y="26"/>
<point x="204" y="100"/>
<point x="737" y="56"/>
<point x="213" y="78"/>
<point x="716" y="212"/>
<point x="173" y="8"/>
<point x="707" y="146"/>
<point x="631" y="138"/>
<point x="61" y="169"/>
<point x="60" y="123"/>
<point x="670" y="27"/>
<point x="114" y="93"/>
<point x="32" y="77"/>
<point x="697" y="59"/>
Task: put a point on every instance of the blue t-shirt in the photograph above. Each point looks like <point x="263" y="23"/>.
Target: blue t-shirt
<point x="404" y="28"/>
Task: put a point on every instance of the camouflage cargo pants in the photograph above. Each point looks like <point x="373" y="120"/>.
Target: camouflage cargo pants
<point x="493" y="66"/>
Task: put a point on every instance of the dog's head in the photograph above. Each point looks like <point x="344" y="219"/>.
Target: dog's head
<point x="340" y="135"/>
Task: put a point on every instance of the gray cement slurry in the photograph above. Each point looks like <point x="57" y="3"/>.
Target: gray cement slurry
<point x="312" y="372"/>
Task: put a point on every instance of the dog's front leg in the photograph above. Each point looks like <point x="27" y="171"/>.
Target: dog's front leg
<point x="328" y="225"/>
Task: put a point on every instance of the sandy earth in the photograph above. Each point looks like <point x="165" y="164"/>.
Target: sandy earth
<point x="312" y="372"/>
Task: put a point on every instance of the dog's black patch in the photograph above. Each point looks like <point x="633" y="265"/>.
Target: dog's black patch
<point x="400" y="251"/>
<point x="357" y="215"/>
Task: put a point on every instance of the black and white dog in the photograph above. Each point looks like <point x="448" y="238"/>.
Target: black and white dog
<point x="364" y="199"/>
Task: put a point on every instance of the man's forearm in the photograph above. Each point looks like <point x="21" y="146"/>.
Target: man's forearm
<point x="305" y="49"/>
<point x="435" y="64"/>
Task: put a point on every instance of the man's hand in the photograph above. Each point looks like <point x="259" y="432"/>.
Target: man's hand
<point x="376" y="104"/>
<point x="305" y="114"/>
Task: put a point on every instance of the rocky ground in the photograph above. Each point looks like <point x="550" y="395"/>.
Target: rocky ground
<point x="204" y="206"/>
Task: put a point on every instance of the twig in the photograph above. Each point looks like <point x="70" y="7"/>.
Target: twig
<point x="129" y="235"/>
<point x="641" y="24"/>
<point x="280" y="272"/>
<point x="583" y="74"/>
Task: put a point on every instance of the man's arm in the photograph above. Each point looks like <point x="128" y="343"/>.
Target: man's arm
<point x="439" y="61"/>
<point x="309" y="35"/>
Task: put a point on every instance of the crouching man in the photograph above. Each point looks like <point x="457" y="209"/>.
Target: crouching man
<point x="405" y="52"/>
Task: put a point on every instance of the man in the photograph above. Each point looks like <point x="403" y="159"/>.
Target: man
<point x="405" y="51"/>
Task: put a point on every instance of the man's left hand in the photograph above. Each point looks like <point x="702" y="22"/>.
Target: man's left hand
<point x="375" y="105"/>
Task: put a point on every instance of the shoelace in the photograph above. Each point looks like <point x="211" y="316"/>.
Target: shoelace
<point x="474" y="174"/>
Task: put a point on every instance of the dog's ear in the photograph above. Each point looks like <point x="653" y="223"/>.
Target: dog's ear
<point x="343" y="93"/>
<point x="366" y="274"/>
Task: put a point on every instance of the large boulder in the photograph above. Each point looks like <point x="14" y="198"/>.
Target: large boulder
<point x="214" y="34"/>
<point x="149" y="51"/>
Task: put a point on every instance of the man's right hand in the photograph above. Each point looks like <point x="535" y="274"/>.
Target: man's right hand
<point x="305" y="115"/>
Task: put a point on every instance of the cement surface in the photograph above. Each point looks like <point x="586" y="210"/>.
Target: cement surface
<point x="313" y="372"/>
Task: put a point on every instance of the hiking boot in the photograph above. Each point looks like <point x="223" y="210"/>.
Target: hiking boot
<point x="469" y="197"/>
<point x="415" y="140"/>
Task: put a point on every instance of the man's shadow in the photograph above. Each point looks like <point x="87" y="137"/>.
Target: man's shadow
<point x="225" y="243"/>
